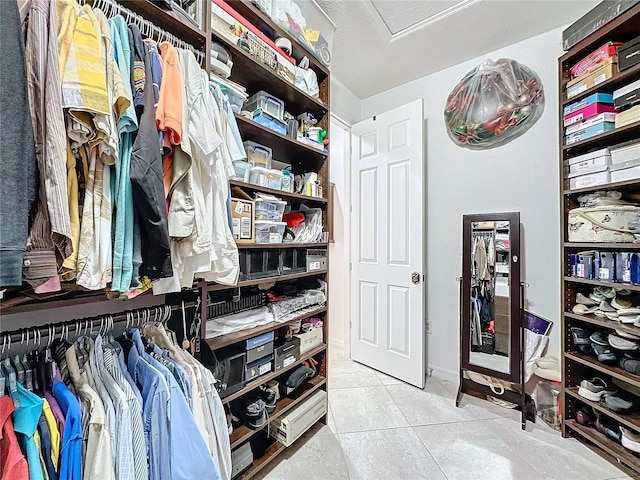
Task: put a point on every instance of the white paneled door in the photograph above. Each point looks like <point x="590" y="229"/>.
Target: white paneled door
<point x="387" y="244"/>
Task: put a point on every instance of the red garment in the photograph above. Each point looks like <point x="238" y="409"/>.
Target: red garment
<point x="13" y="465"/>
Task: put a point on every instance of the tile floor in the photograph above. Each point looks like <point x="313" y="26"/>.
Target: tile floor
<point x="380" y="428"/>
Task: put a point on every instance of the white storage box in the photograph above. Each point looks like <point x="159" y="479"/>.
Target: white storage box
<point x="625" y="153"/>
<point x="258" y="155"/>
<point x="274" y="179"/>
<point x="625" y="171"/>
<point x="316" y="259"/>
<point x="590" y="162"/>
<point x="258" y="176"/>
<point x="579" y="180"/>
<point x="269" y="232"/>
<point x="267" y="103"/>
<point x="270" y="208"/>
<point x="310" y="339"/>
<point x="607" y="224"/>
<point x="236" y="94"/>
<point x="298" y="420"/>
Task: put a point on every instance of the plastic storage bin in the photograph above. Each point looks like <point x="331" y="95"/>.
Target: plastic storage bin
<point x="274" y="179"/>
<point x="258" y="155"/>
<point x="267" y="104"/>
<point x="262" y="263"/>
<point x="272" y="123"/>
<point x="269" y="232"/>
<point x="293" y="260"/>
<point x="236" y="94"/>
<point x="258" y="176"/>
<point x="267" y="209"/>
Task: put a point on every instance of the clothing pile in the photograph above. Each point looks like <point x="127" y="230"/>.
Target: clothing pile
<point x="105" y="409"/>
<point x="115" y="171"/>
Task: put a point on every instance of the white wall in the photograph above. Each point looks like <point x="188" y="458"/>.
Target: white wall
<point x="520" y="176"/>
<point x="344" y="103"/>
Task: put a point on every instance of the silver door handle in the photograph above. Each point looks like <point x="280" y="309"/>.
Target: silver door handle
<point x="415" y="278"/>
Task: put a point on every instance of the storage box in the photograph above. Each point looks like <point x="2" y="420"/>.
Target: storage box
<point x="629" y="116"/>
<point x="621" y="172"/>
<point x="258" y="176"/>
<point x="606" y="224"/>
<point x="606" y="269"/>
<point x="589" y="162"/>
<point x="270" y="122"/>
<point x="241" y="169"/>
<point x="267" y="103"/>
<point x="623" y="267"/>
<point x="593" y="178"/>
<point x="236" y="93"/>
<point x="269" y="208"/>
<point x="274" y="179"/>
<point x="595" y="18"/>
<point x="288" y="428"/>
<point x="258" y="352"/>
<point x="585" y="102"/>
<point x="594" y="58"/>
<point x="587" y="112"/>
<point x="269" y="232"/>
<point x="316" y="259"/>
<point x="629" y="54"/>
<point x="258" y="155"/>
<point x="627" y="96"/>
<point x="287" y="353"/>
<point x="625" y="152"/>
<point x="310" y="339"/>
<point x="583" y="266"/>
<point x="263" y="263"/>
<point x="258" y="368"/>
<point x="604" y="72"/>
<point x="589" y="132"/>
<point x="293" y="260"/>
<point x="242" y="217"/>
<point x="241" y="459"/>
<point x="603" y="117"/>
<point x="259" y="340"/>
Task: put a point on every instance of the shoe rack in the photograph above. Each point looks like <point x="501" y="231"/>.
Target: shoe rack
<point x="577" y="365"/>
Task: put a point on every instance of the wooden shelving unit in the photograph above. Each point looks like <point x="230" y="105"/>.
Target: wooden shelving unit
<point x="244" y="246"/>
<point x="248" y="283"/>
<point x="577" y="366"/>
<point x="295" y="197"/>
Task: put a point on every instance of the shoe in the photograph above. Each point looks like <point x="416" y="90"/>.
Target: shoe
<point x="613" y="432"/>
<point x="584" y="300"/>
<point x="580" y="337"/>
<point x="584" y="418"/>
<point x="630" y="440"/>
<point x="596" y="298"/>
<point x="600" y="338"/>
<point x="629" y="311"/>
<point x="630" y="365"/>
<point x="620" y="343"/>
<point x="621" y="302"/>
<point x="606" y="307"/>
<point x="268" y="396"/>
<point x="617" y="403"/>
<point x="254" y="412"/>
<point x="627" y="335"/>
<point x="604" y="354"/>
<point x="611" y="315"/>
<point x="599" y="313"/>
<point x="586" y="350"/>
<point x="595" y="388"/>
<point x="581" y="309"/>
<point x="606" y="292"/>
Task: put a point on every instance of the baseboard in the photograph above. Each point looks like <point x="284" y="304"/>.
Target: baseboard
<point x="445" y="374"/>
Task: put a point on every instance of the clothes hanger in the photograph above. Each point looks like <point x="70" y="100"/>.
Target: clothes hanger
<point x="28" y="370"/>
<point x="17" y="364"/>
<point x="2" y="378"/>
<point x="9" y="375"/>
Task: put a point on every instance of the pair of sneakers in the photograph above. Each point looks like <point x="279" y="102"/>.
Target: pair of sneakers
<point x="256" y="406"/>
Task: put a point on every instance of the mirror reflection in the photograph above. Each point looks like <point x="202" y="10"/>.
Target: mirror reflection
<point x="489" y="296"/>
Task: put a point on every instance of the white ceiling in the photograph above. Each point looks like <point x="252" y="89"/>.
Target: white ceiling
<point x="380" y="44"/>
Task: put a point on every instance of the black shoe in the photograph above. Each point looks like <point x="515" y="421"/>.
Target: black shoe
<point x="253" y="412"/>
<point x="605" y="354"/>
<point x="587" y="350"/>
<point x="600" y="338"/>
<point x="268" y="396"/>
<point x="580" y="336"/>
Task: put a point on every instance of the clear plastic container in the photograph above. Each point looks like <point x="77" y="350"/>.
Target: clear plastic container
<point x="236" y="94"/>
<point x="269" y="232"/>
<point x="258" y="155"/>
<point x="272" y="210"/>
<point x="267" y="103"/>
<point x="274" y="179"/>
<point x="241" y="168"/>
<point x="258" y="176"/>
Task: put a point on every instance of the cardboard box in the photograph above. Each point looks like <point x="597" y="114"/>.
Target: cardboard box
<point x="287" y="354"/>
<point x="584" y="82"/>
<point x="629" y="116"/>
<point x="310" y="339"/>
<point x="629" y="54"/>
<point x="242" y="216"/>
<point x="316" y="259"/>
<point x="258" y="368"/>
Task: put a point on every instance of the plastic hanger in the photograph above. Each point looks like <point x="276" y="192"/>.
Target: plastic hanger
<point x="17" y="363"/>
<point x="9" y="374"/>
<point x="28" y="370"/>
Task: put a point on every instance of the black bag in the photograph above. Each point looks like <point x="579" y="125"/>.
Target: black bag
<point x="488" y="343"/>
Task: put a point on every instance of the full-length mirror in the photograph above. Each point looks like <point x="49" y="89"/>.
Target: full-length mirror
<point x="490" y="295"/>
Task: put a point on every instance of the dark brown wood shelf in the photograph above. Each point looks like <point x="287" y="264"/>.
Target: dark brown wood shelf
<point x="285" y="149"/>
<point x="267" y="26"/>
<point x="627" y="185"/>
<point x="606" y="139"/>
<point x="600" y="246"/>
<point x="167" y="20"/>
<point x="631" y="420"/>
<point x="610" y="370"/>
<point x="243" y="246"/>
<point x="244" y="433"/>
<point x="612" y="448"/>
<point x="619" y="286"/>
<point x="216" y="286"/>
<point x="608" y="86"/>
<point x="231" y="338"/>
<point x="265" y="378"/>
<point x="275" y="449"/>
<point x="279" y="193"/>
<point x="604" y="322"/>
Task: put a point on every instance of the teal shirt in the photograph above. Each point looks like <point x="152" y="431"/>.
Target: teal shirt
<point x="25" y="423"/>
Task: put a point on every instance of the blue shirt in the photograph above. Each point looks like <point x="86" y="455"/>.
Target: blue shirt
<point x="25" y="422"/>
<point x="198" y="464"/>
<point x="45" y="437"/>
<point x="71" y="451"/>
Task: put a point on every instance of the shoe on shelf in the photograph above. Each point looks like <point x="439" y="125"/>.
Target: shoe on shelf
<point x="620" y="343"/>
<point x="587" y="350"/>
<point x="629" y="311"/>
<point x="630" y="365"/>
<point x="605" y="354"/>
<point x="630" y="440"/>
<point x="627" y="335"/>
<point x="595" y="389"/>
<point x="606" y="292"/>
<point x="584" y="418"/>
<point x="628" y="318"/>
<point x="268" y="396"/>
<point x="611" y="315"/>
<point x="580" y="336"/>
<point x="253" y="411"/>
<point x="581" y="309"/>
<point x="584" y="300"/>
<point x="621" y="302"/>
<point x="606" y="307"/>
<point x="617" y="403"/>
<point x="599" y="337"/>
<point x="613" y="432"/>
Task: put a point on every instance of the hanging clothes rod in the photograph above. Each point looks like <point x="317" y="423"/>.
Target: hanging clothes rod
<point x="112" y="8"/>
<point x="82" y="326"/>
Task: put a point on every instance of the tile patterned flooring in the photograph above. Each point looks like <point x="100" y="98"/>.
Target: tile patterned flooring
<point x="381" y="428"/>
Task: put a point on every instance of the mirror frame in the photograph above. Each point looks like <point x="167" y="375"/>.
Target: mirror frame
<point x="515" y="298"/>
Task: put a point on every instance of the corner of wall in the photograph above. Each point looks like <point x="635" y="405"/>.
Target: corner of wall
<point x="345" y="104"/>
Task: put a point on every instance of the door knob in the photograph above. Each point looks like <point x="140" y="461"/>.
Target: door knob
<point x="415" y="278"/>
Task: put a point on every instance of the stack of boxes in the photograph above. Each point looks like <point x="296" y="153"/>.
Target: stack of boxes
<point x="619" y="267"/>
<point x="589" y="117"/>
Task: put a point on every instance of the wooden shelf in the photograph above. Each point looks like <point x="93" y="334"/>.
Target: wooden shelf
<point x="282" y="278"/>
<point x="265" y="378"/>
<point x="167" y="20"/>
<point x="267" y="26"/>
<point x="231" y="338"/>
<point x="612" y="448"/>
<point x="604" y="322"/>
<point x="600" y="246"/>
<point x="626" y="185"/>
<point x="285" y="149"/>
<point x="608" y="86"/>
<point x="280" y="193"/>
<point x="244" y="246"/>
<point x="618" y="286"/>
<point x="244" y="433"/>
<point x="610" y="370"/>
<point x="275" y="449"/>
<point x="631" y="420"/>
<point x="606" y="139"/>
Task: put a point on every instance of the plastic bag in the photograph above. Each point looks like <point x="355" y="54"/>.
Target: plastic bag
<point x="493" y="104"/>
